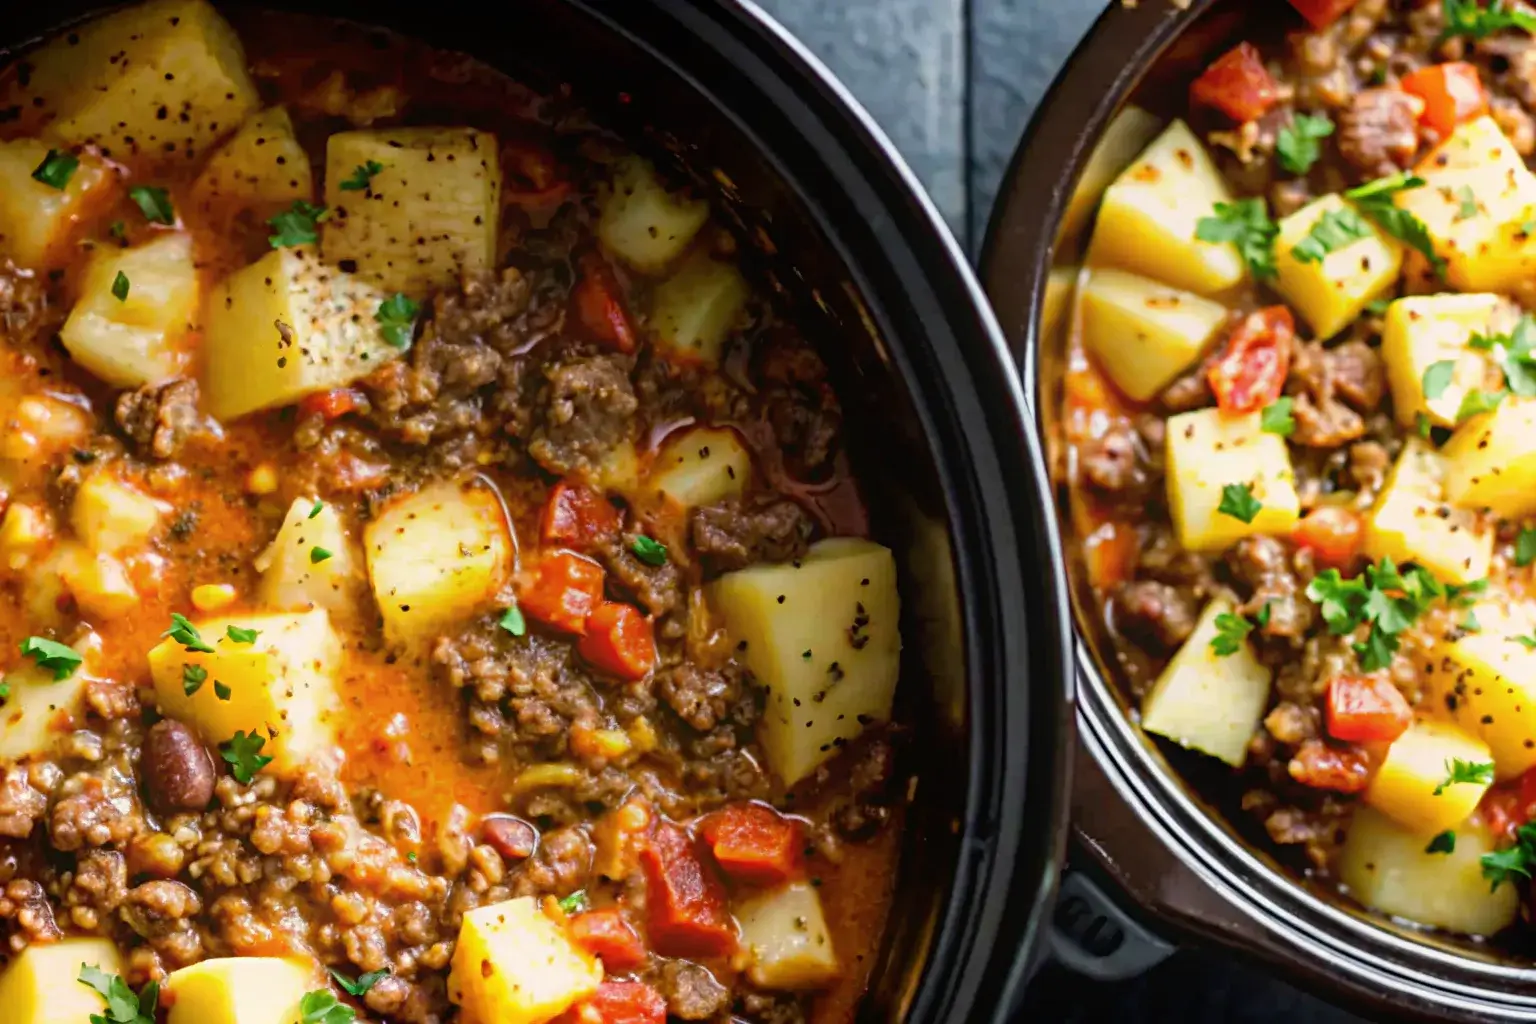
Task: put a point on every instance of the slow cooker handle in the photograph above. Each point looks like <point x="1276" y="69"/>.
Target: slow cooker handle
<point x="1091" y="936"/>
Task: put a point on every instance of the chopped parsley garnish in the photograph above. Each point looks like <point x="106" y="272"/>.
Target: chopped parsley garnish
<point x="1525" y="547"/>
<point x="1528" y="642"/>
<point x="297" y="225"/>
<point x="1466" y="18"/>
<point x="192" y="678"/>
<point x="1276" y="417"/>
<point x="1468" y="208"/>
<point x="397" y="320"/>
<point x="1473" y="773"/>
<point x="1386" y="598"/>
<point x="317" y="554"/>
<point x="363" y="983"/>
<point x="322" y="1007"/>
<point x="186" y="634"/>
<point x="243" y="754"/>
<point x="242" y="635"/>
<point x="119" y="231"/>
<point x="651" y="552"/>
<point x="1478" y="402"/>
<point x="222" y="690"/>
<point x="1499" y="865"/>
<point x="1335" y="230"/>
<point x="362" y="174"/>
<point x="1378" y="307"/>
<point x="58" y="658"/>
<point x="1445" y="842"/>
<point x="154" y="202"/>
<point x="1374" y="200"/>
<point x="1246" y="224"/>
<point x="575" y="903"/>
<point x="1231" y="631"/>
<point x="56" y="169"/>
<point x="1237" y="501"/>
<point x="123" y="1007"/>
<point x="512" y="621"/>
<point x="1470" y="623"/>
<point x="5" y="691"/>
<point x="316" y="509"/>
<point x="1297" y="144"/>
<point x="120" y="287"/>
<point x="1437" y="377"/>
<point x="1515" y="353"/>
<point x="1421" y="425"/>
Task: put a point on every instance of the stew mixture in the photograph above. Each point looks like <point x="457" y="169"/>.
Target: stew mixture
<point x="434" y="582"/>
<point x="1300" y="424"/>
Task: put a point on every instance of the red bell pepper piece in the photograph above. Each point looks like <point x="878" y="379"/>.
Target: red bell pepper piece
<point x="1237" y="84"/>
<point x="619" y="1002"/>
<point x="1322" y="13"/>
<point x="619" y="641"/>
<point x="331" y="404"/>
<point x="1341" y="769"/>
<point x="606" y="935"/>
<point x="685" y="902"/>
<point x="754" y="844"/>
<point x="578" y="517"/>
<point x="562" y="592"/>
<point x="1333" y="533"/>
<point x="1251" y="372"/>
<point x="1453" y="94"/>
<point x="599" y="305"/>
<point x="1366" y="709"/>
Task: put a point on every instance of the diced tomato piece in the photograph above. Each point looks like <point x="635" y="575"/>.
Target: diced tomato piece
<point x="619" y="641"/>
<point x="1366" y="709"/>
<point x="1251" y="372"/>
<point x="1503" y="810"/>
<point x="1237" y="84"/>
<point x="753" y="843"/>
<point x="606" y="935"/>
<point x="685" y="902"/>
<point x="1333" y="533"/>
<point x="331" y="404"/>
<point x="578" y="517"/>
<point x="618" y="1002"/>
<point x="1341" y="769"/>
<point x="562" y="592"/>
<point x="1322" y="13"/>
<point x="1453" y="94"/>
<point x="600" y="305"/>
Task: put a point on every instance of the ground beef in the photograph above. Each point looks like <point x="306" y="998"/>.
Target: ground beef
<point x="1369" y="463"/>
<point x="1332" y="388"/>
<point x="1293" y="724"/>
<point x="735" y="534"/>
<point x="20" y="805"/>
<point x="1154" y="615"/>
<point x="1378" y="133"/>
<point x="95" y="809"/>
<point x="25" y="311"/>
<point x="1118" y="464"/>
<point x="558" y="867"/>
<point x="1261" y="567"/>
<point x="868" y="806"/>
<point x="771" y="1008"/>
<point x="691" y="991"/>
<point x="160" y="418"/>
<point x="1163" y="559"/>
<point x="657" y="588"/>
<point x="25" y="904"/>
<point x="1187" y="393"/>
<point x="702" y="697"/>
<point x="585" y="409"/>
<point x="799" y="405"/>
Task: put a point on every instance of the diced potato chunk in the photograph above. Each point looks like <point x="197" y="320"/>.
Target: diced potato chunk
<point x="642" y="223"/>
<point x="42" y="710"/>
<point x="25" y="531"/>
<point x="240" y="990"/>
<point x="1423" y="330"/>
<point x="694" y="310"/>
<point x="430" y="216"/>
<point x="291" y="576"/>
<point x="261" y="168"/>
<point x="41" y="986"/>
<point x="1486" y="681"/>
<point x="1413" y="523"/>
<point x="1126" y="135"/>
<point x="1149" y="216"/>
<point x="285" y="327"/>
<point x="1330" y="294"/>
<point x="1205" y="701"/>
<point x="822" y="637"/>
<point x="38" y="220"/>
<point x="1490" y="462"/>
<point x="436" y="557"/>
<point x="701" y="466"/>
<point x="787" y="936"/>
<point x="112" y="517"/>
<point x="98" y="582"/>
<point x="153" y="85"/>
<point x="1417" y="764"/>
<point x="1386" y="868"/>
<point x="1490" y="250"/>
<point x="138" y="339"/>
<point x="1207" y="451"/>
<point x="514" y="965"/>
<point x="281" y="686"/>
<point x="1144" y="334"/>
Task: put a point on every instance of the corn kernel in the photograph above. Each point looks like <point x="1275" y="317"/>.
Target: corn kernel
<point x="210" y="597"/>
<point x="262" y="479"/>
<point x="605" y="743"/>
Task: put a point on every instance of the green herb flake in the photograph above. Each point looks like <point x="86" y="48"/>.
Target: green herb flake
<point x="1374" y="201"/>
<point x="222" y="690"/>
<point x="1378" y="307"/>
<point x="1245" y="224"/>
<point x="242" y="635"/>
<point x="322" y="1007"/>
<point x="575" y="903"/>
<point x="297" y="225"/>
<point x="1470" y="623"/>
<point x="1231" y="631"/>
<point x="362" y="175"/>
<point x="1297" y="144"/>
<point x="1335" y="230"/>
<point x="1387" y="599"/>
<point x="1437" y="377"/>
<point x="1467" y="18"/>
<point x="122" y="1006"/>
<point x="1468" y="203"/>
<point x="1237" y="501"/>
<point x="315" y="510"/>
<point x="363" y="983"/>
<point x="1528" y="642"/>
<point x="154" y="203"/>
<point x="1459" y="772"/>
<point x="651" y="552"/>
<point x="243" y="754"/>
<point x="397" y="320"/>
<point x="1500" y="865"/>
<point x="119" y="231"/>
<point x="56" y="169"/>
<point x="186" y="634"/>
<point x="120" y="287"/>
<point x="1445" y="842"/>
<point x="1478" y="402"/>
<point x="318" y="554"/>
<point x="1276" y="417"/>
<point x="1421" y="425"/>
<point x="60" y="659"/>
<point x="512" y="621"/>
<point x="1525" y="547"/>
<point x="192" y="678"/>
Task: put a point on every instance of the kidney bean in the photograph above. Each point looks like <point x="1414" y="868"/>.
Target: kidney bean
<point x="178" y="771"/>
<point x="511" y="837"/>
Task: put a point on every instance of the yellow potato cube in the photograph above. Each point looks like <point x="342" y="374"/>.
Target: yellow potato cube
<point x="1386" y="867"/>
<point x="822" y="638"/>
<point x="42" y="985"/>
<point x="429" y="216"/>
<point x="42" y="710"/>
<point x="786" y="935"/>
<point x="285" y="327"/>
<point x="282" y="686"/>
<point x="1476" y="200"/>
<point x="1423" y="330"/>
<point x="1417" y="764"/>
<point x="437" y="557"/>
<point x="700" y="466"/>
<point x="1144" y="334"/>
<point x="112" y="517"/>
<point x="1149" y="217"/>
<point x="1412" y="521"/>
<point x="1209" y="450"/>
<point x="311" y="563"/>
<point x="1206" y="701"/>
<point x="98" y="581"/>
<point x="695" y="310"/>
<point x="1490" y="462"/>
<point x="514" y="965"/>
<point x="1486" y="681"/>
<point x="24" y="531"/>
<point x="1330" y="294"/>
<point x="642" y="223"/>
<point x="154" y="84"/>
<point x="240" y="990"/>
<point x="262" y="168"/>
<point x="137" y="339"/>
<point x="1126" y="135"/>
<point x="38" y="220"/>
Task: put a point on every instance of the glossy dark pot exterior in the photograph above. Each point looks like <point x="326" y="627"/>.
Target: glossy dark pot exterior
<point x="936" y="419"/>
<point x="1159" y="832"/>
